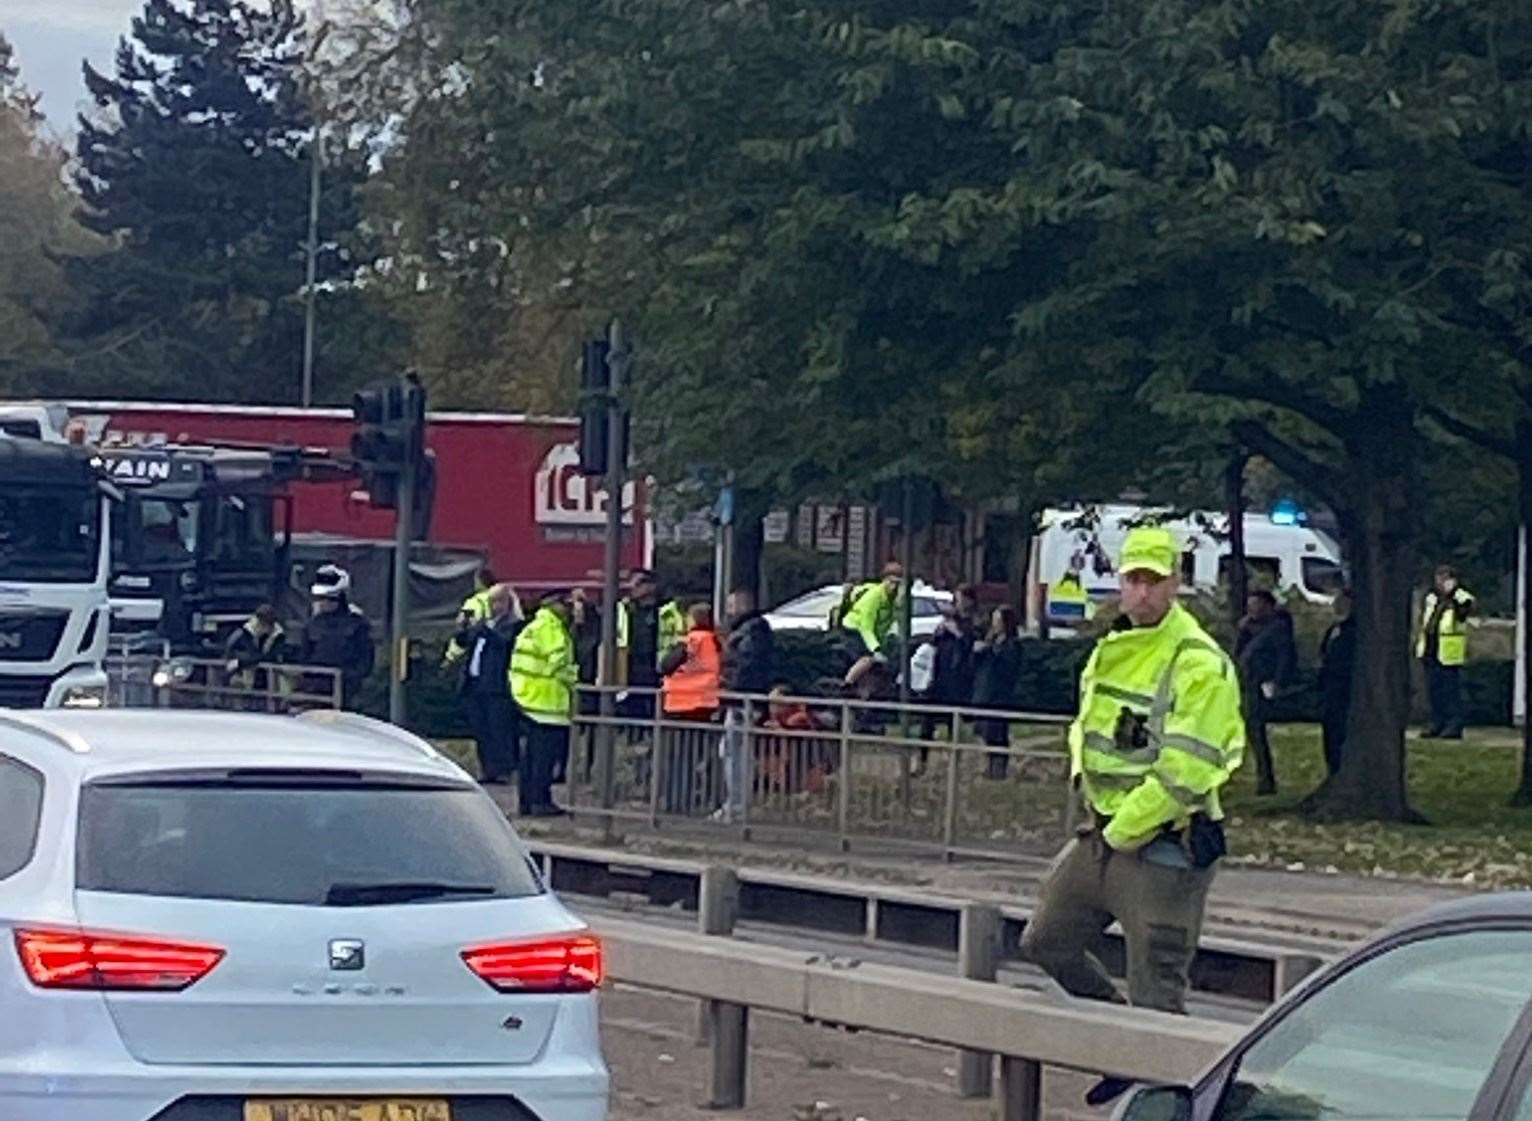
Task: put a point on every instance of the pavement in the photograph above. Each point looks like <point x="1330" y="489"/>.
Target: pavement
<point x="1263" y="902"/>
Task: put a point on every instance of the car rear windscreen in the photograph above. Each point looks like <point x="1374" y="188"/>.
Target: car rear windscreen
<point x="277" y="838"/>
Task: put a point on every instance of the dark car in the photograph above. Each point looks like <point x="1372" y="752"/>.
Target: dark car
<point x="1430" y="1021"/>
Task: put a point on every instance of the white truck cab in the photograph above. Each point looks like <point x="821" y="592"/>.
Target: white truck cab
<point x="55" y="555"/>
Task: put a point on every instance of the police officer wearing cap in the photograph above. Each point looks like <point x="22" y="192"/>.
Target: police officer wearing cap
<point x="1158" y="734"/>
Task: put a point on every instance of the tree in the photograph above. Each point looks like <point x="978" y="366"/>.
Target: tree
<point x="1278" y="194"/>
<point x="196" y="164"/>
<point x="36" y="228"/>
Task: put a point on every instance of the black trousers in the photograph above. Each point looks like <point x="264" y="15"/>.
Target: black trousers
<point x="1332" y="723"/>
<point x="1256" y="712"/>
<point x="496" y="724"/>
<point x="546" y="744"/>
<point x="1445" y="684"/>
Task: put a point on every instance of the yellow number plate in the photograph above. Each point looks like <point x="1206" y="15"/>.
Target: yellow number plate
<point x="343" y="1109"/>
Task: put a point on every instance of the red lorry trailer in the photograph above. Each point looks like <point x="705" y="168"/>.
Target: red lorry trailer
<point x="506" y="484"/>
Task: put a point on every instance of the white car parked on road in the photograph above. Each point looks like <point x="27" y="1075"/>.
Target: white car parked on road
<point x="811" y="611"/>
<point x="219" y="917"/>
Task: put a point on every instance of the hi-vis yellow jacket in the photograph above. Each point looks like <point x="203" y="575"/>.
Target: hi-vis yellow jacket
<point x="1159" y="730"/>
<point x="543" y="669"/>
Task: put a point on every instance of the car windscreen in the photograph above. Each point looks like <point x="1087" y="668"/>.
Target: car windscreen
<point x="49" y="534"/>
<point x="815" y="605"/>
<point x="286" y="837"/>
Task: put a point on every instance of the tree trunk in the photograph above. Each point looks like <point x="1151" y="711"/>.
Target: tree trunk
<point x="1379" y="485"/>
<point x="1234" y="503"/>
<point x="1523" y="795"/>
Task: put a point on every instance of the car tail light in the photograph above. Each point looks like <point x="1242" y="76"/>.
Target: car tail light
<point x="63" y="959"/>
<point x="569" y="963"/>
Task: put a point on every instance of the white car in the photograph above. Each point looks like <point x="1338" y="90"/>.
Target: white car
<point x="260" y="918"/>
<point x="811" y="611"/>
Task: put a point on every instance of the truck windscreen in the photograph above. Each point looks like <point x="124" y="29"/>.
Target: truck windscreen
<point x="49" y="535"/>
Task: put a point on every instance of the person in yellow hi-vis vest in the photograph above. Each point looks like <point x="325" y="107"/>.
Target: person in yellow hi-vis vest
<point x="475" y="609"/>
<point x="544" y="675"/>
<point x="1158" y="734"/>
<point x="1442" y="646"/>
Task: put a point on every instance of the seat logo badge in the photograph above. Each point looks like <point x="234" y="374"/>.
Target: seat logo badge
<point x="348" y="954"/>
<point x="512" y="1023"/>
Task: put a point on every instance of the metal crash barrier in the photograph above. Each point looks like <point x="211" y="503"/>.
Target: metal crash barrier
<point x="1025" y="1033"/>
<point x="929" y="777"/>
<point x="163" y="681"/>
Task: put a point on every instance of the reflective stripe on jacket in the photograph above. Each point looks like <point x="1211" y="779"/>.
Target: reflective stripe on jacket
<point x="543" y="669"/>
<point x="871" y="615"/>
<point x="1451" y="632"/>
<point x="1159" y="729"/>
<point x="693" y="687"/>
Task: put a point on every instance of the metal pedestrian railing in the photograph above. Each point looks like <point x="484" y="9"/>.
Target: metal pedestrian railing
<point x="165" y="681"/>
<point x="961" y="781"/>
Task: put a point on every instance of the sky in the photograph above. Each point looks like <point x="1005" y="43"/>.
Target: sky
<point x="51" y="38"/>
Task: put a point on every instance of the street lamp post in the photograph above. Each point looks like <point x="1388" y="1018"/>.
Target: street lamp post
<point x="311" y="293"/>
<point x="316" y="169"/>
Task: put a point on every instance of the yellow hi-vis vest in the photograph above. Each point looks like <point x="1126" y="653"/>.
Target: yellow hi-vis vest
<point x="543" y="669"/>
<point x="1159" y="730"/>
<point x="871" y="615"/>
<point x="1068" y="602"/>
<point x="476" y="607"/>
<point x="1452" y="634"/>
<point x="673" y="626"/>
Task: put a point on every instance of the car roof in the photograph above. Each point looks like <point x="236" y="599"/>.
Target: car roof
<point x="1482" y="907"/>
<point x="117" y="741"/>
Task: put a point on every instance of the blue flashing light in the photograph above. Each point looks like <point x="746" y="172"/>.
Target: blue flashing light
<point x="1287" y="512"/>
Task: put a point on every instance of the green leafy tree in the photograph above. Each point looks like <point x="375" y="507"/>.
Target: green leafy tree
<point x="196" y="164"/>
<point x="36" y="229"/>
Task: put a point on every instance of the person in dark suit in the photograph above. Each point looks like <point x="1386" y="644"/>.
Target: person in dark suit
<point x="486" y="685"/>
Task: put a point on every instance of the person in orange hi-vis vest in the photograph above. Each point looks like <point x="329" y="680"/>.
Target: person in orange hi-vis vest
<point x="693" y="673"/>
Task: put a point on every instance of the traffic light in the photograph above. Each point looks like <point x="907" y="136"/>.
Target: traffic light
<point x="595" y="386"/>
<point x="391" y="424"/>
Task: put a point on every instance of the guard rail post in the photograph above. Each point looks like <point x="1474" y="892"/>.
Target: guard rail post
<point x="1021" y="1089"/>
<point x="954" y="758"/>
<point x="731" y="1051"/>
<point x="658" y="764"/>
<point x="978" y="960"/>
<point x="843" y="810"/>
<point x="717" y="912"/>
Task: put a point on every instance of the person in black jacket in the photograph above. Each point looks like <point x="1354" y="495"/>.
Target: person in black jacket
<point x="953" y="667"/>
<point x="997" y="678"/>
<point x="259" y="643"/>
<point x="1337" y="658"/>
<point x="338" y="634"/>
<point x="1266" y="652"/>
<point x="486" y="686"/>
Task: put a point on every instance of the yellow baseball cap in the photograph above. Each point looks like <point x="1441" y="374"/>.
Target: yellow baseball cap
<point x="1149" y="548"/>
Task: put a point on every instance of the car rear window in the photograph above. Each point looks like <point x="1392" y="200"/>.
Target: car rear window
<point x="294" y="839"/>
<point x="21" y="807"/>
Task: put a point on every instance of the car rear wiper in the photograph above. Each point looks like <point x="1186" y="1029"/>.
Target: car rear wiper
<point x="403" y="891"/>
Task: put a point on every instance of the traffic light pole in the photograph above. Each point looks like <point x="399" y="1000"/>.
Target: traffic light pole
<point x="399" y="643"/>
<point x="617" y="363"/>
